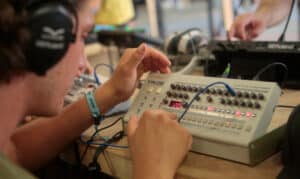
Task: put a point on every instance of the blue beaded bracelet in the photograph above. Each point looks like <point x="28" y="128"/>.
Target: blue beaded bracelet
<point x="93" y="107"/>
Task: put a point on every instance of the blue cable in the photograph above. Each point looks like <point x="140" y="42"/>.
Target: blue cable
<point x="110" y="145"/>
<point x="229" y="88"/>
<point x="95" y="71"/>
<point x="103" y="144"/>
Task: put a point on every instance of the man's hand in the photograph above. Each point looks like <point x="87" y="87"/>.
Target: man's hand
<point x="247" y="26"/>
<point x="158" y="144"/>
<point x="133" y="64"/>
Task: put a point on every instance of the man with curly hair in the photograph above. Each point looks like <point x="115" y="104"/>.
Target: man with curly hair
<point x="28" y="91"/>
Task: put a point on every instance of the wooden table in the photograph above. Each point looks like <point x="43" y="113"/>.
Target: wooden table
<point x="117" y="161"/>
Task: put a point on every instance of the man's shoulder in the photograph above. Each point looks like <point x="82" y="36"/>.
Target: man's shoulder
<point x="8" y="170"/>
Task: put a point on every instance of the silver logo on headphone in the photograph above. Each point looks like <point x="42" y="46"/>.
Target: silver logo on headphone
<point x="52" y="34"/>
<point x="51" y="39"/>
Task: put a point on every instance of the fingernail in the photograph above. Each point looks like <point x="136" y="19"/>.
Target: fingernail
<point x="141" y="49"/>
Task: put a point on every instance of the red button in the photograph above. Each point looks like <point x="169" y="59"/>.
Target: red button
<point x="248" y="114"/>
<point x="210" y="108"/>
<point x="238" y="113"/>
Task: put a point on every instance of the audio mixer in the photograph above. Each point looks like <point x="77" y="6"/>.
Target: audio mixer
<point x="222" y="124"/>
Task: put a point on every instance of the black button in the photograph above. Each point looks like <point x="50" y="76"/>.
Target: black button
<point x="169" y="93"/>
<point x="207" y="91"/>
<point x="239" y="94"/>
<point x="165" y="101"/>
<point x="173" y="86"/>
<point x="261" y="96"/>
<point x="209" y="99"/>
<point x="180" y="95"/>
<point x="253" y="95"/>
<point x="229" y="102"/>
<point x="242" y="103"/>
<point x="222" y="101"/>
<point x="257" y="105"/>
<point x="185" y="96"/>
<point x="250" y="104"/>
<point x="195" y="89"/>
<point x="213" y="91"/>
<point x="175" y="95"/>
<point x="246" y="95"/>
<point x="236" y="102"/>
<point x="185" y="104"/>
<point x="220" y="91"/>
<point x="226" y="93"/>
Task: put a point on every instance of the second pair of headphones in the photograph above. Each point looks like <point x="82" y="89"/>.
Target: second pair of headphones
<point x="51" y="28"/>
<point x="186" y="42"/>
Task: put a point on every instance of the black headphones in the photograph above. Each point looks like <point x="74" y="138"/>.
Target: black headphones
<point x="185" y="41"/>
<point x="51" y="28"/>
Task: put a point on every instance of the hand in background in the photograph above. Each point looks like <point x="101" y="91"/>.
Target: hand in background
<point x="158" y="144"/>
<point x="133" y="64"/>
<point x="247" y="26"/>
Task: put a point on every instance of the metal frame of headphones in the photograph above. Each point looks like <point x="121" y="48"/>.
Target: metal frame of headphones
<point x="51" y="28"/>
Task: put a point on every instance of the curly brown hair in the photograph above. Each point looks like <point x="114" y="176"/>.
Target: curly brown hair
<point x="14" y="37"/>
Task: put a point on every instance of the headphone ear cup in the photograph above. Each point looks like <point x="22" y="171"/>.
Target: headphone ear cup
<point x="171" y="43"/>
<point x="191" y="41"/>
<point x="51" y="29"/>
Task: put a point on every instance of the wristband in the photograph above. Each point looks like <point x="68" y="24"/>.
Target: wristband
<point x="93" y="107"/>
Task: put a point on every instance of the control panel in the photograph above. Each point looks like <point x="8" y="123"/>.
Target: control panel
<point x="215" y="115"/>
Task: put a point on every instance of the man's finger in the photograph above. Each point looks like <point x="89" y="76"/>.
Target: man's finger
<point x="138" y="55"/>
<point x="162" y="59"/>
<point x="132" y="125"/>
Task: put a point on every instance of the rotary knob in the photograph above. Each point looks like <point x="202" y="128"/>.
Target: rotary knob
<point x="257" y="105"/>
<point x="222" y="101"/>
<point x="220" y="91"/>
<point x="209" y="99"/>
<point x="246" y="95"/>
<point x="250" y="104"/>
<point x="261" y="96"/>
<point x="239" y="94"/>
<point x="173" y="86"/>
<point x="242" y="103"/>
<point x="253" y="95"/>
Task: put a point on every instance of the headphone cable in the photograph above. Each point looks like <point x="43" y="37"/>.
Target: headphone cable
<point x="282" y="36"/>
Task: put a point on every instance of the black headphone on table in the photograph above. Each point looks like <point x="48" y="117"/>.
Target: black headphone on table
<point x="51" y="27"/>
<point x="185" y="42"/>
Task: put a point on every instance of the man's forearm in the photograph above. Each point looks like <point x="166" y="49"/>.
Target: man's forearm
<point x="273" y="11"/>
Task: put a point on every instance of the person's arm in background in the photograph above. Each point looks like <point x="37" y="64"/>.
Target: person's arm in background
<point x="269" y="13"/>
